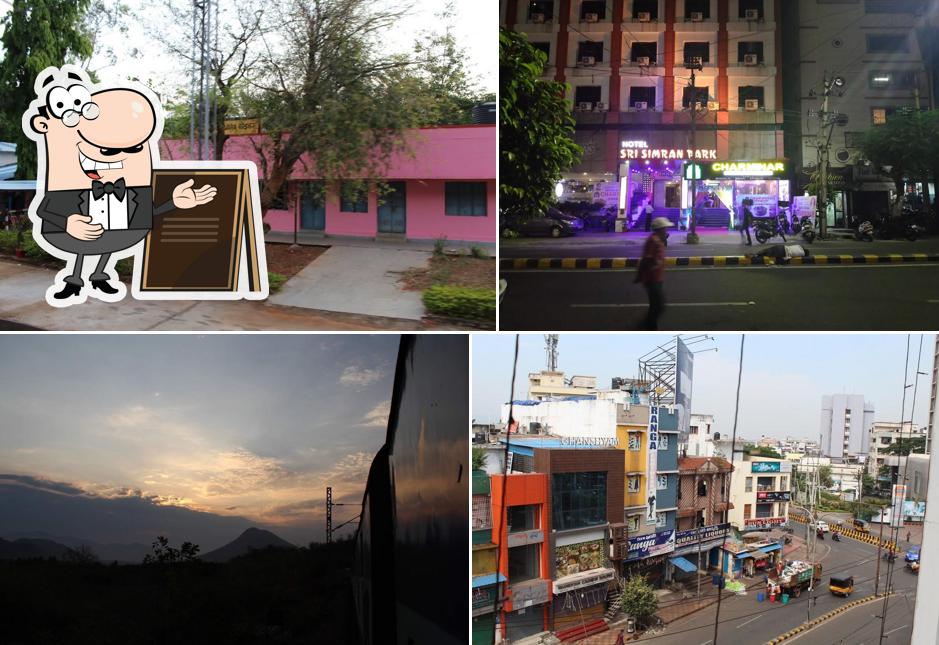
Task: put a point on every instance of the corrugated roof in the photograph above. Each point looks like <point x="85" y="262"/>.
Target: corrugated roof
<point x="693" y="463"/>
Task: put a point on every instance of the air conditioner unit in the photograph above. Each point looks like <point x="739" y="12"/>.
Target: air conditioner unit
<point x="752" y="14"/>
<point x="697" y="16"/>
<point x="644" y="16"/>
<point x="641" y="106"/>
<point x="751" y="59"/>
<point x="642" y="60"/>
<point x="696" y="60"/>
<point x="585" y="106"/>
<point x="601" y="107"/>
<point x="588" y="61"/>
<point x="591" y="17"/>
<point x="714" y="106"/>
<point x="537" y="18"/>
<point x="752" y="105"/>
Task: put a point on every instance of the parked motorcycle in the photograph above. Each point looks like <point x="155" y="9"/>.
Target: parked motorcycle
<point x="864" y="232"/>
<point x="807" y="229"/>
<point x="765" y="228"/>
<point x="891" y="227"/>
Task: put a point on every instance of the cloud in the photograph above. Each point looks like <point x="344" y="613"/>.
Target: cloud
<point x="378" y="416"/>
<point x="40" y="483"/>
<point x="359" y="376"/>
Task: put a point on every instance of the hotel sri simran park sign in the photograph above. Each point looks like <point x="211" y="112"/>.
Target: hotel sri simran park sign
<point x="641" y="150"/>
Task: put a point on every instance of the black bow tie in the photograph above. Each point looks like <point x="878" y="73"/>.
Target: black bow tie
<point x="118" y="188"/>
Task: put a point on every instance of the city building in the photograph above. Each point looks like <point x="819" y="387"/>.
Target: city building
<point x="760" y="492"/>
<point x="875" y="50"/>
<point x="486" y="583"/>
<point x="525" y="560"/>
<point x="932" y="394"/>
<point x="884" y="434"/>
<point x="548" y="384"/>
<point x="445" y="189"/>
<point x="700" y="439"/>
<point x="645" y="129"/>
<point x="846" y="477"/>
<point x="703" y="504"/>
<point x="846" y="421"/>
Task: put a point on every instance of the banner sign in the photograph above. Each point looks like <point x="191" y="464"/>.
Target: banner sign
<point x="763" y="522"/>
<point x="606" y="192"/>
<point x="484" y="596"/>
<point x="652" y="544"/>
<point x="914" y="511"/>
<point x="896" y="513"/>
<point x="770" y="467"/>
<point x="778" y="496"/>
<point x="522" y="538"/>
<point x="599" y="442"/>
<point x="641" y="150"/>
<point x="684" y="538"/>
<point x="684" y="367"/>
<point x="652" y="451"/>
<point x="583" y="556"/>
<point x="767" y="169"/>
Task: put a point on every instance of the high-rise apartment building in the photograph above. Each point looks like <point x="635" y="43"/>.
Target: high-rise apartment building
<point x="846" y="421"/>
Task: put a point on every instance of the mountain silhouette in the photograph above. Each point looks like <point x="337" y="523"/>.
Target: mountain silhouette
<point x="31" y="548"/>
<point x="253" y="539"/>
<point x="106" y="552"/>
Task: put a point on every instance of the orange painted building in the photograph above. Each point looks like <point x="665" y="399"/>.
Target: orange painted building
<point x="519" y="528"/>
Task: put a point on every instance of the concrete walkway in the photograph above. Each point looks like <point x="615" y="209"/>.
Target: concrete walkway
<point x="22" y="303"/>
<point x="357" y="279"/>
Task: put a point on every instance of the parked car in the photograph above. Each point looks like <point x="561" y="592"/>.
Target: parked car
<point x="553" y="223"/>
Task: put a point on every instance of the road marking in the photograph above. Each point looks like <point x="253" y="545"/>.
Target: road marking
<point x="895" y="630"/>
<point x="669" y="304"/>
<point x="749" y="621"/>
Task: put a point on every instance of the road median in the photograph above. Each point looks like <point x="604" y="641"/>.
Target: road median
<point x="806" y="626"/>
<point x="534" y="264"/>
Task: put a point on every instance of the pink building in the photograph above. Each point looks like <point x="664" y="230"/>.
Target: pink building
<point x="447" y="188"/>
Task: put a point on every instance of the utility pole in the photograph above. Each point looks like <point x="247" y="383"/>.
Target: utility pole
<point x="692" y="237"/>
<point x="877" y="574"/>
<point x="823" y="165"/>
<point x="329" y="514"/>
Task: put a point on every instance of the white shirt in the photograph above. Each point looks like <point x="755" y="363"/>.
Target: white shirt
<point x="108" y="211"/>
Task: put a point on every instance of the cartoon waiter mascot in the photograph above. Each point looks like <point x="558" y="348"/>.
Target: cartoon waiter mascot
<point x="93" y="189"/>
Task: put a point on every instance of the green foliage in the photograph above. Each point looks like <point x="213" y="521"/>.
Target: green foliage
<point x="275" y="281"/>
<point x="163" y="553"/>
<point x="904" y="446"/>
<point x="439" y="245"/>
<point x="868" y="484"/>
<point x="762" y="451"/>
<point x="125" y="267"/>
<point x="536" y="129"/>
<point x="479" y="252"/>
<point x="639" y="599"/>
<point x="479" y="458"/>
<point x="36" y="34"/>
<point x="824" y="476"/>
<point x="461" y="302"/>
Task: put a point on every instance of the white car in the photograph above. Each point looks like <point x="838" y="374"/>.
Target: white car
<point x="820" y="524"/>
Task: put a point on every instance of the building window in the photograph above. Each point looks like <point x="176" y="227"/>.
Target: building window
<point x="853" y="139"/>
<point x="578" y="500"/>
<point x="749" y="485"/>
<point x="697" y="6"/>
<point x="642" y="95"/>
<point x="632" y="523"/>
<point x="586" y="94"/>
<point x="660" y="520"/>
<point x="465" y="198"/>
<point x="633" y="482"/>
<point x="663" y="442"/>
<point x="523" y="562"/>
<point x="542" y="8"/>
<point x="650" y="7"/>
<point x="661" y="482"/>
<point x="894" y="6"/>
<point x="746" y="511"/>
<point x="699" y="520"/>
<point x="640" y="50"/>
<point x="697" y="50"/>
<point x="750" y="93"/>
<point x="905" y="80"/>
<point x="751" y="5"/>
<point x="482" y="512"/>
<point x="765" y="483"/>
<point x="764" y="510"/>
<point x="634" y="441"/>
<point x="352" y="200"/>
<point x="752" y="48"/>
<point x="879" y="115"/>
<point x="521" y="518"/>
<point x="702" y="488"/>
<point x="701" y="96"/>
<point x="590" y="48"/>
<point x="693" y="430"/>
<point x="593" y="6"/>
<point x="887" y="44"/>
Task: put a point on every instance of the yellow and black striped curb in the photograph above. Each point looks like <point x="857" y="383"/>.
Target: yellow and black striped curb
<point x="804" y="627"/>
<point x="523" y="264"/>
<point x="889" y="545"/>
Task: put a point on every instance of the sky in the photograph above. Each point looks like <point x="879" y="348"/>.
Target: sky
<point x="242" y="426"/>
<point x="784" y="376"/>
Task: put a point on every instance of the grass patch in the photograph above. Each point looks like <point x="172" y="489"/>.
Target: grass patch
<point x="460" y="302"/>
<point x="275" y="281"/>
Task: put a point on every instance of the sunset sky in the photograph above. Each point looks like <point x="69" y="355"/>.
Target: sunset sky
<point x="249" y="426"/>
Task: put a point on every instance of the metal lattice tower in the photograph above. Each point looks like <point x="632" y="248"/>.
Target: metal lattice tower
<point x="659" y="369"/>
<point x="329" y="514"/>
<point x="551" y="350"/>
<point x="202" y="108"/>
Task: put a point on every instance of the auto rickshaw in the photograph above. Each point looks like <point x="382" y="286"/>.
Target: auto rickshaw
<point x="861" y="526"/>
<point x="841" y="586"/>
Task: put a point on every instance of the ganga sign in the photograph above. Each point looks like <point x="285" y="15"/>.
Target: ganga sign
<point x="747" y="169"/>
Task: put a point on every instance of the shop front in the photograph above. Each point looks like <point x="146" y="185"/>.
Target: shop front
<point x="648" y="556"/>
<point x="485" y="589"/>
<point x="694" y="550"/>
<point x="526" y="609"/>
<point x="580" y="597"/>
<point x="720" y="188"/>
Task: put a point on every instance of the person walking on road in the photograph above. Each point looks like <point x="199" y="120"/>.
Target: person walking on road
<point x="746" y="222"/>
<point x="619" y="638"/>
<point x="652" y="269"/>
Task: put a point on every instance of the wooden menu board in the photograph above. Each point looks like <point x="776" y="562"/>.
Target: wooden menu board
<point x="206" y="247"/>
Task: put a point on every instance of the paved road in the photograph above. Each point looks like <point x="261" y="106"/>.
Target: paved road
<point x="771" y="298"/>
<point x="744" y="620"/>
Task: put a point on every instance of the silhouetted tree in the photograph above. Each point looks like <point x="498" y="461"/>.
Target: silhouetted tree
<point x="163" y="552"/>
<point x="82" y="555"/>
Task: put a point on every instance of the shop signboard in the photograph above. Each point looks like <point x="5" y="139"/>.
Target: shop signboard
<point x="770" y="467"/>
<point x="684" y="366"/>
<point x="653" y="544"/>
<point x="607" y="193"/>
<point x="804" y="205"/>
<point x="774" y="496"/>
<point x="583" y="556"/>
<point x="597" y="442"/>
<point x="914" y="511"/>
<point x="522" y="538"/>
<point x="652" y="451"/>
<point x="641" y="150"/>
<point x="242" y="126"/>
<point x="763" y="522"/>
<point x="528" y="593"/>
<point x="761" y="204"/>
<point x="484" y="597"/>
<point x="746" y="169"/>
<point x="691" y="536"/>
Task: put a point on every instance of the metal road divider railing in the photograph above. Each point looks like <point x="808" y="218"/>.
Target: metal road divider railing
<point x="860" y="536"/>
<point x="824" y="617"/>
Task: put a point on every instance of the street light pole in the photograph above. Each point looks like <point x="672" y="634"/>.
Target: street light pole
<point x="823" y="164"/>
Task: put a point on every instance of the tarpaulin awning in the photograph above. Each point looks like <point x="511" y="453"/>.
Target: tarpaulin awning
<point x="741" y="556"/>
<point x="683" y="564"/>
<point x="759" y="554"/>
<point x="485" y="581"/>
<point x="771" y="547"/>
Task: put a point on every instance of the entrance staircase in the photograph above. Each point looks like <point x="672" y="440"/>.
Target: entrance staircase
<point x="714" y="217"/>
<point x="614" y="602"/>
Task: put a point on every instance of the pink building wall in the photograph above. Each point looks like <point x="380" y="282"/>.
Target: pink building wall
<point x="451" y="153"/>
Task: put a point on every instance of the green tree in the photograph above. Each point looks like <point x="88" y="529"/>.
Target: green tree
<point x="36" y="34"/>
<point x="639" y="599"/>
<point x="536" y="130"/>
<point x="762" y="451"/>
<point x="824" y="476"/>
<point x="868" y="485"/>
<point x="905" y="446"/>
<point x="479" y="458"/>
<point x="329" y="89"/>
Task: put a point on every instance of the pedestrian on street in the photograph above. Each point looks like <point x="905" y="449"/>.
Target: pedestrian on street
<point x="746" y="222"/>
<point x="649" y="210"/>
<point x="652" y="269"/>
<point x="619" y="638"/>
<point x="907" y="536"/>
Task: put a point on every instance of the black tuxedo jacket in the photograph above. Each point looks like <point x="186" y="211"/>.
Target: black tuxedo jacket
<point x="57" y="205"/>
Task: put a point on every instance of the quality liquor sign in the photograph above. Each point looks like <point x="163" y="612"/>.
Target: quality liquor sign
<point x="652" y="451"/>
<point x="763" y="522"/>
<point x="703" y="534"/>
